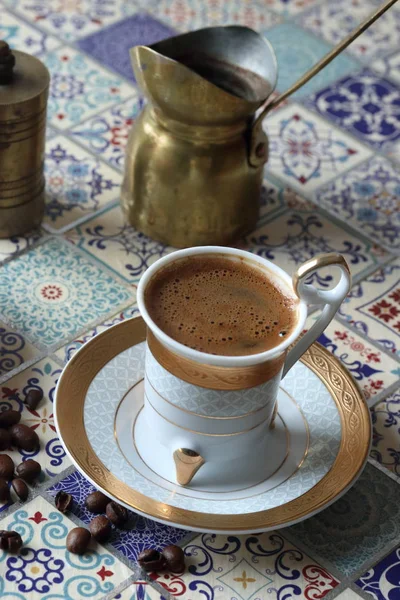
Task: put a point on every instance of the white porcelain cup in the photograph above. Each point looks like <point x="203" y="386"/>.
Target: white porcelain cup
<point x="207" y="409"/>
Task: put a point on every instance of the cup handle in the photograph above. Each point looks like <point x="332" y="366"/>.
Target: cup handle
<point x="329" y="299"/>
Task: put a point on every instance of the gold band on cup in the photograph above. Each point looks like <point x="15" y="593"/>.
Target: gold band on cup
<point x="210" y="376"/>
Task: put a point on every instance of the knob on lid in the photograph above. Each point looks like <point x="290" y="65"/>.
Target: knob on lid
<point x="24" y="82"/>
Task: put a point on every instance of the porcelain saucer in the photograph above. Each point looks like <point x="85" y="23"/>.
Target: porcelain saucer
<point x="318" y="448"/>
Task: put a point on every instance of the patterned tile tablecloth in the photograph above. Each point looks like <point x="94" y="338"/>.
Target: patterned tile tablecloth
<point x="332" y="184"/>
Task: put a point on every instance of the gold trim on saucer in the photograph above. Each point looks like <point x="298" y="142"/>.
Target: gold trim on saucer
<point x="93" y="356"/>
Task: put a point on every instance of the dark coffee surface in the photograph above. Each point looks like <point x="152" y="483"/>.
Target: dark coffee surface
<point x="220" y="306"/>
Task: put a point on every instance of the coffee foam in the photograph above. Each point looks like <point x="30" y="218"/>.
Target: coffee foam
<point x="219" y="305"/>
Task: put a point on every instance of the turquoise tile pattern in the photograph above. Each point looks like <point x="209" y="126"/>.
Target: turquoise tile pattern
<point x="332" y="183"/>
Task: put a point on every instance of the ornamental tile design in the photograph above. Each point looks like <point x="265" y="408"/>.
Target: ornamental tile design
<point x="125" y="250"/>
<point x="44" y="569"/>
<point x="21" y="36"/>
<point x="365" y="105"/>
<point x="306" y="152"/>
<point x="373" y="307"/>
<point x="246" y="568"/>
<point x="41" y="376"/>
<point x="77" y="184"/>
<point x="79" y="88"/>
<point x="368" y="198"/>
<point x="357" y="526"/>
<point x="53" y="291"/>
<point x="107" y="134"/>
<point x="382" y="581"/>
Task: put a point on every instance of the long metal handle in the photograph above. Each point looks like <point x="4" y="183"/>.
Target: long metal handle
<point x="325" y="60"/>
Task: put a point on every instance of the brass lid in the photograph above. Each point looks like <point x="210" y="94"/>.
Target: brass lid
<point x="24" y="84"/>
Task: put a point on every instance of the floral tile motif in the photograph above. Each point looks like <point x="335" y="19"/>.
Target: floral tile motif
<point x="41" y="376"/>
<point x="388" y="66"/>
<point x="383" y="580"/>
<point x="140" y="532"/>
<point x="288" y="7"/>
<point x="306" y="152"/>
<point x="295" y="59"/>
<point x="334" y="20"/>
<point x="70" y="20"/>
<point x="77" y="184"/>
<point x="111" y="46"/>
<point x="386" y="433"/>
<point x="107" y="134"/>
<point x="139" y="590"/>
<point x="373" y="307"/>
<point x="11" y="247"/>
<point x="368" y="198"/>
<point x="15" y="350"/>
<point x="66" y="352"/>
<point x="79" y="88"/>
<point x="185" y="15"/>
<point x="44" y="569"/>
<point x="21" y="36"/>
<point x="53" y="291"/>
<point x="220" y="567"/>
<point x="302" y="232"/>
<point x="125" y="250"/>
<point x="373" y="370"/>
<point x="357" y="526"/>
<point x="365" y="105"/>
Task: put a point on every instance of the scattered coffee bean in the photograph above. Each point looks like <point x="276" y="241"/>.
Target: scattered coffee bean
<point x="96" y="502"/>
<point x="9" y="418"/>
<point x="10" y="541"/>
<point x="5" y="439"/>
<point x="6" y="467"/>
<point x="20" y="488"/>
<point x="29" y="470"/>
<point x="24" y="437"/>
<point x="151" y="560"/>
<point x="117" y="514"/>
<point x="33" y="397"/>
<point x="4" y="491"/>
<point x="78" y="540"/>
<point x="175" y="558"/>
<point x="63" y="501"/>
<point x="100" y="528"/>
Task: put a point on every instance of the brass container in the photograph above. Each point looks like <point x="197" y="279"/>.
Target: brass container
<point x="24" y="84"/>
<point x="189" y="175"/>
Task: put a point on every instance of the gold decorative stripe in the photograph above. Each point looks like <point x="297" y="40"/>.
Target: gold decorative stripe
<point x="194" y="414"/>
<point x="93" y="356"/>
<point x="210" y="376"/>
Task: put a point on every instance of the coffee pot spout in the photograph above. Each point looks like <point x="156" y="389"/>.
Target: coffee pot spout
<point x="187" y="463"/>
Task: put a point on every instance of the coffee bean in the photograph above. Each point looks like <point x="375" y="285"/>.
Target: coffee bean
<point x="151" y="560"/>
<point x="24" y="437"/>
<point x="175" y="558"/>
<point x="9" y="418"/>
<point x="96" y="502"/>
<point x="29" y="470"/>
<point x="63" y="501"/>
<point x="117" y="514"/>
<point x="6" y="467"/>
<point x="32" y="398"/>
<point x="10" y="541"/>
<point x="4" y="491"/>
<point x="78" y="540"/>
<point x="5" y="439"/>
<point x="20" y="488"/>
<point x="100" y="528"/>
